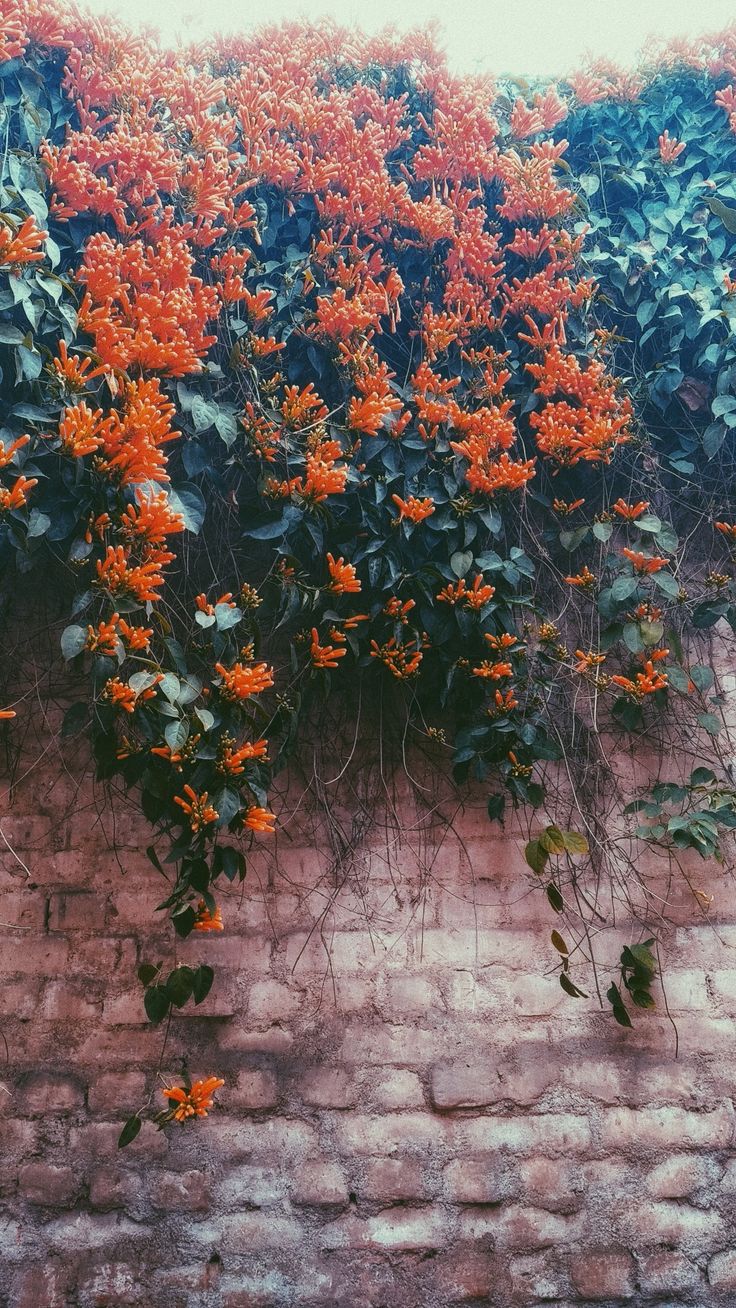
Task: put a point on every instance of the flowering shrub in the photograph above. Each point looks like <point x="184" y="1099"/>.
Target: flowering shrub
<point x="319" y="303"/>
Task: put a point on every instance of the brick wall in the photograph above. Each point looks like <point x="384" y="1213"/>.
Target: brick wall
<point x="414" y="1113"/>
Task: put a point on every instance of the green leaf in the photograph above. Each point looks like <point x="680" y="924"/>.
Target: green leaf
<point x="156" y="1004"/>
<point x="575" y="842"/>
<point x="496" y="805"/>
<point x="75" y="719"/>
<point x="559" y="943"/>
<point x="73" y="641"/>
<point x="555" y="898"/>
<point x="179" y="986"/>
<point x="603" y="531"/>
<point x="147" y="972"/>
<point x="623" y="588"/>
<point x="710" y="723"/>
<point x="188" y="501"/>
<point x="460" y="561"/>
<point x="129" y="1131"/>
<point x="571" y="540"/>
<point x="613" y="995"/>
<point x="668" y="584"/>
<point x="536" y="856"/>
<point x="204" y="413"/>
<point x="552" y="840"/>
<point x="202" y="982"/>
<point x="570" y="988"/>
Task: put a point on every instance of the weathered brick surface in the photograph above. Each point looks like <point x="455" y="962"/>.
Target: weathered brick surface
<point x="413" y="1116"/>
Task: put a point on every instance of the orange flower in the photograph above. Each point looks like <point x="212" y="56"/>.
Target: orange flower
<point x="493" y="671"/>
<point x="197" y="808"/>
<point x="195" y="1101"/>
<point x="669" y="148"/>
<point x="7" y="451"/>
<point x="16" y="497"/>
<point x="478" y="595"/>
<point x="324" y="656"/>
<point x="413" y="509"/>
<point x="343" y="576"/>
<point x="453" y="592"/>
<point x="23" y="246"/>
<point x="259" y="819"/>
<point x="351" y="623"/>
<point x="588" y="661"/>
<point x="563" y="508"/>
<point x="586" y="579"/>
<point x="503" y="702"/>
<point x="643" y="563"/>
<point x="75" y="373"/>
<point x="646" y="683"/>
<point x="402" y="661"/>
<point x="244" y="679"/>
<point x="103" y="639"/>
<point x="134" y="638"/>
<point x="394" y="608"/>
<point x="630" y="511"/>
<point x="141" y="582"/>
<point x="727" y="528"/>
<point x="206" y="921"/>
<point x="505" y="641"/>
<point x="6" y="714"/>
<point x="81" y="430"/>
<point x="232" y="760"/>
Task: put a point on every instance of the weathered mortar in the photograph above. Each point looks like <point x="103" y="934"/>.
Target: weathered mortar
<point x="414" y="1113"/>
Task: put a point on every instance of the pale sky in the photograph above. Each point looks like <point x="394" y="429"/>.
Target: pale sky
<point x="534" y="37"/>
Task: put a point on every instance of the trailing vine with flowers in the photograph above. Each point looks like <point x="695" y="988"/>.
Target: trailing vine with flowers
<point x="308" y="385"/>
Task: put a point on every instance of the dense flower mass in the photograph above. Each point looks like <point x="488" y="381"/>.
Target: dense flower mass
<point x="299" y="318"/>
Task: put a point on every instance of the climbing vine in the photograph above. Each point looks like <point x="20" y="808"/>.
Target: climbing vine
<point x="323" y="368"/>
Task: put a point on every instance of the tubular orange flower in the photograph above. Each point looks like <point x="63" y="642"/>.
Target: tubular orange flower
<point x="232" y="761"/>
<point x="324" y="656"/>
<point x="206" y="921"/>
<point x="17" y="496"/>
<point x="344" y="579"/>
<point x="727" y="529"/>
<point x="646" y="683"/>
<point x="478" y="595"/>
<point x="670" y="148"/>
<point x="141" y="582"/>
<point x="413" y="509"/>
<point x="564" y="508"/>
<point x="244" y="679"/>
<point x="643" y="563"/>
<point x="23" y="247"/>
<point x="103" y="639"/>
<point x="134" y="638"/>
<point x="505" y="641"/>
<point x="587" y="661"/>
<point x="195" y="1101"/>
<point x="81" y="430"/>
<point x="453" y="592"/>
<point x="75" y="373"/>
<point x="493" y="671"/>
<point x="259" y="819"/>
<point x="197" y="808"/>
<point x="402" y="661"/>
<point x="7" y="714"/>
<point x="586" y="579"/>
<point x="7" y="451"/>
<point x="630" y="511"/>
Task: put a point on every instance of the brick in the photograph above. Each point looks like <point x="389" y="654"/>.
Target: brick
<point x="320" y="1183"/>
<point x="518" y="1227"/>
<point x="393" y="1179"/>
<point x="112" y="1187"/>
<point x="82" y="1232"/>
<point x="261" y="1187"/>
<point x="44" y="1286"/>
<point x="125" y="1010"/>
<point x="254" y="1090"/>
<point x="45" y="1093"/>
<point x="361" y="1134"/>
<point x="52" y="1187"/>
<point x="25" y="909"/>
<point x="65" y="1002"/>
<point x="100" y="1140"/>
<point x="465" y="1272"/>
<point x="474" y="1181"/>
<point x="248" y="1233"/>
<point x="275" y="1139"/>
<point x="77" y="910"/>
<point x="551" y="1183"/>
<point x="399" y="1089"/>
<point x="603" y="1275"/>
<point x="550" y="1133"/>
<point x="407" y="1229"/>
<point x="667" y="1272"/>
<point x="20" y="999"/>
<point x="120" y="1092"/>
<point x="327" y="1087"/>
<point x="35" y="957"/>
<point x="673" y="1127"/>
<point x="722" y="1270"/>
<point x="676" y="1224"/>
<point x="272" y="1001"/>
<point x="181" y="1191"/>
<point x="535" y="1276"/>
<point x="679" y="1176"/>
<point x="408" y="996"/>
